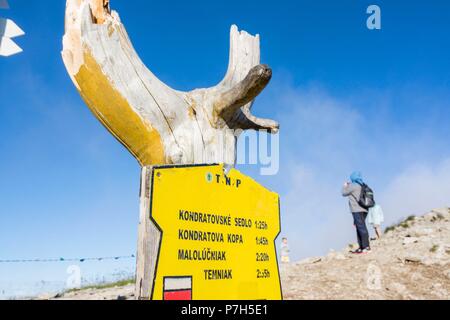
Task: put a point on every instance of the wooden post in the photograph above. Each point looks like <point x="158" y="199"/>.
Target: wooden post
<point x="149" y="238"/>
<point x="157" y="124"/>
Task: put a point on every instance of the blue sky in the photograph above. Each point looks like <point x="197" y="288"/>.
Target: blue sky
<point x="347" y="98"/>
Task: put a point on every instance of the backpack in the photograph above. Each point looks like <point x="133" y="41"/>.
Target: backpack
<point x="366" y="199"/>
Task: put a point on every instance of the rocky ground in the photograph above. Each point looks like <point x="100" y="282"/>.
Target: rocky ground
<point x="113" y="293"/>
<point x="412" y="261"/>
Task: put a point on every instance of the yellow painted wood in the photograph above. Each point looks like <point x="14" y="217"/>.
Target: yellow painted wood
<point x="115" y="113"/>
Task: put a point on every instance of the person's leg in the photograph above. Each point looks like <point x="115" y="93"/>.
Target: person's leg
<point x="377" y="231"/>
<point x="363" y="233"/>
<point x="356" y="222"/>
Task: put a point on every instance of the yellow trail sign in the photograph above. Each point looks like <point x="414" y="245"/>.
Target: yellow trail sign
<point x="218" y="235"/>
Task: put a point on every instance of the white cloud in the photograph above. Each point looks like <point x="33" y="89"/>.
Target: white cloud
<point x="324" y="139"/>
<point x="416" y="190"/>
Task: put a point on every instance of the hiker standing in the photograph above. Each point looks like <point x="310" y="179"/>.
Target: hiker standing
<point x="354" y="190"/>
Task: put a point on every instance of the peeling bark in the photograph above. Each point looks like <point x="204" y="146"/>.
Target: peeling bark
<point x="100" y="10"/>
<point x="157" y="124"/>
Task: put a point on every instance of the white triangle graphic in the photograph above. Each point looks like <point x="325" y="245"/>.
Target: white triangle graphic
<point x="8" y="47"/>
<point x="10" y="29"/>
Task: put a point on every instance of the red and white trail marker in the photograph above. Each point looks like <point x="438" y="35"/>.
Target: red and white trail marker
<point x="178" y="288"/>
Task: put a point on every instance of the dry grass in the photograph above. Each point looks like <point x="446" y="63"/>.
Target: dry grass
<point x="100" y="286"/>
<point x="405" y="224"/>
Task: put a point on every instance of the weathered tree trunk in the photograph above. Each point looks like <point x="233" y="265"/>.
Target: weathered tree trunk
<point x="149" y="238"/>
<point x="157" y="124"/>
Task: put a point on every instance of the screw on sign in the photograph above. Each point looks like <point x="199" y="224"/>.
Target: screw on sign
<point x="8" y="30"/>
